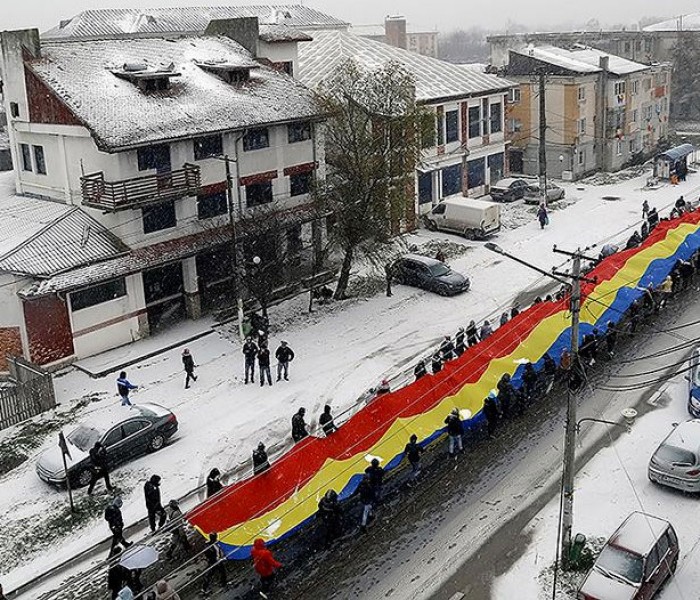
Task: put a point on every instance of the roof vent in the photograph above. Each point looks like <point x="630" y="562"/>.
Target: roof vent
<point x="238" y="72"/>
<point x="147" y="79"/>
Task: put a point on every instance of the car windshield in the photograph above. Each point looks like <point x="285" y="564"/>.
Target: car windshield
<point x="84" y="437"/>
<point x="621" y="563"/>
<point x="439" y="270"/>
<point x="675" y="455"/>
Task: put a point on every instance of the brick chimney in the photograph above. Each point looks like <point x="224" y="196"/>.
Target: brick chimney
<point x="395" y="31"/>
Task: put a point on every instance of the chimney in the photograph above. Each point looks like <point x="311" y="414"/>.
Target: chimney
<point x="244" y="30"/>
<point x="604" y="63"/>
<point x="395" y="31"/>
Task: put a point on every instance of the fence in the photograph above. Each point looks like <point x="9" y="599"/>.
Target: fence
<point x="28" y="392"/>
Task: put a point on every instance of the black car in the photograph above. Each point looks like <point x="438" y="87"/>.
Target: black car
<point x="429" y="274"/>
<point x="131" y="433"/>
<point x="508" y="189"/>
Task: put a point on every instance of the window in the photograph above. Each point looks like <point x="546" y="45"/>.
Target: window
<point x="662" y="546"/>
<point x="620" y="87"/>
<point x="582" y="126"/>
<point x="440" y="130"/>
<point x="628" y="47"/>
<point x="618" y="145"/>
<point x="300" y="184"/>
<point x="425" y="188"/>
<point x="635" y="86"/>
<point x="638" y="45"/>
<point x="132" y="427"/>
<point x="97" y="294"/>
<point x="451" y="126"/>
<point x="298" y="132"/>
<point x="39" y="160"/>
<point x="255" y="139"/>
<point x="485" y="116"/>
<point x="515" y="125"/>
<point x="496" y="165"/>
<point x="635" y="116"/>
<point x="633" y="145"/>
<point x="159" y="217"/>
<point x="651" y="564"/>
<point x="14" y="109"/>
<point x="209" y="146"/>
<point x="514" y="95"/>
<point x="476" y="175"/>
<point x="212" y="205"/>
<point x="581" y="157"/>
<point x="451" y="180"/>
<point x="439" y="209"/>
<point x="647" y="113"/>
<point x="154" y="157"/>
<point x="26" y="157"/>
<point x="496" y="114"/>
<point x="258" y="193"/>
<point x="113" y="437"/>
<point x="474" y="122"/>
<point x="581" y="93"/>
<point x="647" y="45"/>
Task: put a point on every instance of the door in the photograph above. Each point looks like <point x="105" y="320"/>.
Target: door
<point x="439" y="216"/>
<point x="409" y="272"/>
<point x="164" y="292"/>
<point x="112" y="442"/>
<point x="48" y="329"/>
<point x="516" y="160"/>
<point x="653" y="576"/>
<point x="136" y="437"/>
<point x="424" y="277"/>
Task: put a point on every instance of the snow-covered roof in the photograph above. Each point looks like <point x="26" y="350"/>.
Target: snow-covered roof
<point x="120" y="115"/>
<point x="122" y="22"/>
<point x="582" y="60"/>
<point x="434" y="79"/>
<point x="282" y="33"/>
<point x="689" y="22"/>
<point x="41" y="238"/>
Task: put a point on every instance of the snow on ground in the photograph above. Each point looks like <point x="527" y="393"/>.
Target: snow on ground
<point x="342" y="350"/>
<point x="611" y="486"/>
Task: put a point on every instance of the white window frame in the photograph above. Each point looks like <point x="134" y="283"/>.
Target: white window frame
<point x="620" y="87"/>
<point x="581" y="93"/>
<point x="582" y="126"/>
<point x="515" y="96"/>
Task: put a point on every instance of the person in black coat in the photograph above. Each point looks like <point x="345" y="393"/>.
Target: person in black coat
<point x="447" y="349"/>
<point x="284" y="355"/>
<point x="413" y="452"/>
<point x="260" y="461"/>
<point x="326" y="421"/>
<point x="491" y="413"/>
<point x="530" y="381"/>
<point x="420" y="370"/>
<point x="154" y="506"/>
<point x="366" y="493"/>
<point x="214" y="485"/>
<point x="472" y="334"/>
<point x="216" y="565"/>
<point x="117" y="576"/>
<point x="653" y="218"/>
<point x="331" y="515"/>
<point x="299" y="431"/>
<point x="436" y="363"/>
<point x="250" y="352"/>
<point x="264" y="364"/>
<point x="506" y="395"/>
<point x="454" y="431"/>
<point x="115" y="521"/>
<point x="99" y="466"/>
<point x="376" y="477"/>
<point x="188" y="363"/>
<point x="460" y="347"/>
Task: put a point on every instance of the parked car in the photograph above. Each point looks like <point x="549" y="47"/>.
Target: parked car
<point x="508" y="189"/>
<point x="676" y="462"/>
<point x="533" y="196"/>
<point x="429" y="274"/>
<point x="142" y="428"/>
<point x="693" y="377"/>
<point x="474" y="219"/>
<point x="635" y="562"/>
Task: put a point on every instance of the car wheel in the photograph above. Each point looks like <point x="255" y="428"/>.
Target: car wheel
<point x="442" y="290"/>
<point x="431" y="225"/>
<point x="156" y="443"/>
<point x="83" y="478"/>
<point x="469" y="234"/>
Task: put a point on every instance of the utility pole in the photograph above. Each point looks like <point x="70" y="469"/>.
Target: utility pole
<point x="542" y="133"/>
<point x="234" y="238"/>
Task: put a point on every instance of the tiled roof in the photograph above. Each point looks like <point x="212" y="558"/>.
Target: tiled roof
<point x="41" y="238"/>
<point x="434" y="79"/>
<point x="120" y="115"/>
<point x="582" y="60"/>
<point x="121" y="22"/>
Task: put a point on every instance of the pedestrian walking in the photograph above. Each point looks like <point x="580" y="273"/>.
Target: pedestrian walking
<point x="284" y="355"/>
<point x="264" y="364"/>
<point x="178" y="535"/>
<point x="165" y="591"/>
<point x="549" y="369"/>
<point x="260" y="461"/>
<point x="491" y="413"/>
<point x="420" y="370"/>
<point x="504" y="319"/>
<point x="214" y="485"/>
<point x="216" y="566"/>
<point x="115" y="521"/>
<point x="366" y="493"/>
<point x="376" y="478"/>
<point x="412" y="452"/>
<point x="460" y="346"/>
<point x="472" y="334"/>
<point x="506" y="395"/>
<point x="436" y="364"/>
<point x="486" y="330"/>
<point x="117" y="576"/>
<point x="151" y="491"/>
<point x="447" y="349"/>
<point x="331" y="515"/>
<point x="250" y="352"/>
<point x="124" y="386"/>
<point x="542" y="216"/>
<point x="326" y="421"/>
<point x="454" y="431"/>
<point x="299" y="431"/>
<point x="265" y="566"/>
<point x="610" y="338"/>
<point x="530" y="382"/>
<point x="389" y="275"/>
<point x="645" y="209"/>
<point x="188" y="363"/>
<point x="99" y="467"/>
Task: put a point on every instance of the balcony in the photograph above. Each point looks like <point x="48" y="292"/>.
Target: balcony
<point x="113" y="196"/>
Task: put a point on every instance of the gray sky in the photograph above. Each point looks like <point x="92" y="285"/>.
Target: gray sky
<point x="444" y="15"/>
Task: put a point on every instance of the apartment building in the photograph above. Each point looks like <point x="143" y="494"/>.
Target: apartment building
<point x="397" y="32"/>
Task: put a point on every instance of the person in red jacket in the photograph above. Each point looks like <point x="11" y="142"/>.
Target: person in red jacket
<point x="265" y="566"/>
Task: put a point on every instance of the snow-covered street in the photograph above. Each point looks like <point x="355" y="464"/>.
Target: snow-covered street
<point x="342" y="349"/>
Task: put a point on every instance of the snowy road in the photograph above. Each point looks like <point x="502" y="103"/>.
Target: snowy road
<point x="342" y="350"/>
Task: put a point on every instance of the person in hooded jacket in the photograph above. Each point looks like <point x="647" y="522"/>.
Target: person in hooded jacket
<point x="542" y="216"/>
<point x="261" y="462"/>
<point x="460" y="346"/>
<point x="115" y="521"/>
<point x="454" y="431"/>
<point x="376" y="477"/>
<point x="326" y="421"/>
<point x="188" y="363"/>
<point x="472" y="334"/>
<point x="151" y="491"/>
<point x="99" y="467"/>
<point x="214" y="485"/>
<point x="299" y="431"/>
<point x="486" y="330"/>
<point x="504" y="319"/>
<point x="165" y="591"/>
<point x="436" y="364"/>
<point x="250" y="352"/>
<point x="331" y="515"/>
<point x="265" y="566"/>
<point x="124" y="386"/>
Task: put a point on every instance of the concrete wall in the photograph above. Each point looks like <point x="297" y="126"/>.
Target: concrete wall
<point x="280" y="52"/>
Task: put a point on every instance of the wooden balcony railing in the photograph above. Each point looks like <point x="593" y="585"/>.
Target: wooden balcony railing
<point x="113" y="196"/>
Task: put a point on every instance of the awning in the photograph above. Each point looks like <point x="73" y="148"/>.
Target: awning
<point x="677" y="153"/>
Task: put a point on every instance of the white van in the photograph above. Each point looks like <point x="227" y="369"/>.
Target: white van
<point x="474" y="219"/>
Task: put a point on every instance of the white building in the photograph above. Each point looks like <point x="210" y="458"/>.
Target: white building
<point x="468" y="152"/>
<point x="130" y="133"/>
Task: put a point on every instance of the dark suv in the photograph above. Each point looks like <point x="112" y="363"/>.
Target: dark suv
<point x="429" y="274"/>
<point x="508" y="189"/>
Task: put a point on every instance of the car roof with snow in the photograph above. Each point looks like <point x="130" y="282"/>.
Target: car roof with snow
<point x="104" y="419"/>
<point x="426" y="260"/>
<point x="685" y="436"/>
<point x="638" y="533"/>
<point x="506" y="181"/>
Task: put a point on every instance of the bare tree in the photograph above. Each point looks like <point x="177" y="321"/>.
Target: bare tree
<point x="373" y="143"/>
